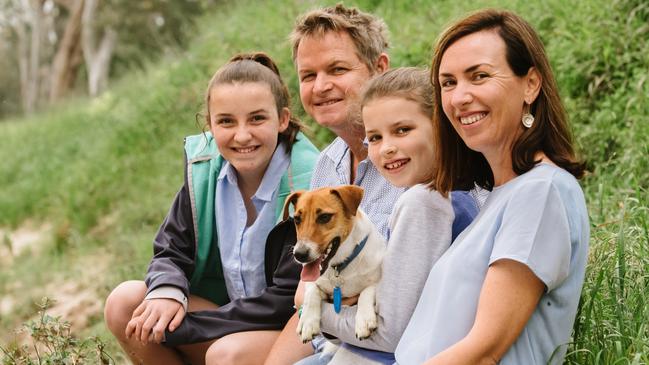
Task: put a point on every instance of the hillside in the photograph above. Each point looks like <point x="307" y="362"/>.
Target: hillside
<point x="84" y="186"/>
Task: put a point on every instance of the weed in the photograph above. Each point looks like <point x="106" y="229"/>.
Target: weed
<point x="52" y="343"/>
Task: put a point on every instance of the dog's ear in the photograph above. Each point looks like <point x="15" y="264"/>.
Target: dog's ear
<point x="351" y="196"/>
<point x="291" y="199"/>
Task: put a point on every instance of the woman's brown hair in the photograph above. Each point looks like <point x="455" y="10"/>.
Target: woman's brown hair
<point x="460" y="167"/>
<point x="257" y="67"/>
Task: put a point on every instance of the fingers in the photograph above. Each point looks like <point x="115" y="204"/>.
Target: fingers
<point x="130" y="328"/>
<point x="132" y="324"/>
<point x="139" y="322"/>
<point x="178" y="317"/>
<point x="140" y="309"/>
<point x="160" y="326"/>
<point x="148" y="325"/>
<point x="151" y="318"/>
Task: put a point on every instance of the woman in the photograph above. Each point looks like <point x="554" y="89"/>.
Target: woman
<point x="507" y="290"/>
<point x="217" y="289"/>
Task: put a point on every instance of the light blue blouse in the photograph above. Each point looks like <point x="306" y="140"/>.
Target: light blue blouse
<point x="539" y="219"/>
<point x="243" y="248"/>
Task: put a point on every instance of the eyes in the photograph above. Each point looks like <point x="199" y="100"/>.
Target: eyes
<point x="254" y="119"/>
<point x="398" y="131"/>
<point x="258" y="118"/>
<point x="335" y="70"/>
<point x="224" y="122"/>
<point x="448" y="82"/>
<point x="307" y="77"/>
<point x="322" y="218"/>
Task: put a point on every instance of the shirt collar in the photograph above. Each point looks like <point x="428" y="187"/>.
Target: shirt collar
<point x="338" y="152"/>
<point x="274" y="172"/>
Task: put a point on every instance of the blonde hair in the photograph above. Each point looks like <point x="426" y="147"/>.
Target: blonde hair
<point x="411" y="83"/>
<point x="368" y="32"/>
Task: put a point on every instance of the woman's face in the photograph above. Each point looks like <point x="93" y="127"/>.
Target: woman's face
<point x="400" y="140"/>
<point x="481" y="95"/>
<point x="245" y="124"/>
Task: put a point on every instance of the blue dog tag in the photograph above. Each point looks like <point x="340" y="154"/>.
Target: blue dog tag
<point x="338" y="298"/>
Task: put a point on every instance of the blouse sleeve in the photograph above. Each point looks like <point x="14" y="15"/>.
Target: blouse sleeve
<point x="420" y="233"/>
<point x="535" y="232"/>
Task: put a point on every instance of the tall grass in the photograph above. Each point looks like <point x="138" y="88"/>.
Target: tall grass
<point x="103" y="172"/>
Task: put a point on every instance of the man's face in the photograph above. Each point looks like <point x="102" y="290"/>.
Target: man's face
<point x="331" y="76"/>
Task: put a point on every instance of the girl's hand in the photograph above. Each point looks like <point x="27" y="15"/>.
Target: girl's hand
<point x="152" y="317"/>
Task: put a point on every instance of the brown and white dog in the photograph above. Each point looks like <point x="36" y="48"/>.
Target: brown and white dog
<point x="341" y="252"/>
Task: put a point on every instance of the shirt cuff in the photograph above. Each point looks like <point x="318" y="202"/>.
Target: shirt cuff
<point x="168" y="292"/>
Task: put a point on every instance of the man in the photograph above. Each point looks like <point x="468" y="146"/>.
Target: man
<point x="336" y="50"/>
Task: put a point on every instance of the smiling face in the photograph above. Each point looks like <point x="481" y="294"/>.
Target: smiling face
<point x="331" y="75"/>
<point x="400" y="139"/>
<point x="481" y="95"/>
<point x="245" y="124"/>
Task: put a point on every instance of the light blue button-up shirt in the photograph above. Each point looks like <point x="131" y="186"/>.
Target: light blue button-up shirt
<point x="334" y="168"/>
<point x="243" y="248"/>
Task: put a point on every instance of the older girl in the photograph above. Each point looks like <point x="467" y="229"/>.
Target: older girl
<point x="214" y="274"/>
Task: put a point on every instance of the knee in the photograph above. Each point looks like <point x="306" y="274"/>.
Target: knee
<point x="223" y="352"/>
<point x="121" y="303"/>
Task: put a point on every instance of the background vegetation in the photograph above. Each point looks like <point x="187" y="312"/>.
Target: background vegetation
<point x="95" y="177"/>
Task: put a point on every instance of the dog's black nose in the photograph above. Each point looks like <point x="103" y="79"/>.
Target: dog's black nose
<point x="301" y="255"/>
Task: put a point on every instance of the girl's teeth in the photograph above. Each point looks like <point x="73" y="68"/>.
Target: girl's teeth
<point x="472" y="119"/>
<point x="394" y="165"/>
<point x="245" y="150"/>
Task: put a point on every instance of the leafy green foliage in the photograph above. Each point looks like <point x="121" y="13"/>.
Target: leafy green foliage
<point x="120" y="156"/>
<point x="52" y="343"/>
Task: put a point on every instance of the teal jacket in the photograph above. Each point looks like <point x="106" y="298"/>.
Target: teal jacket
<point x="203" y="167"/>
<point x="186" y="248"/>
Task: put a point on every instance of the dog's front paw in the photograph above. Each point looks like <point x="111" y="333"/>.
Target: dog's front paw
<point x="366" y="323"/>
<point x="307" y="328"/>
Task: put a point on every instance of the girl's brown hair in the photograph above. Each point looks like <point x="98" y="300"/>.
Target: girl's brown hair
<point x="461" y="167"/>
<point x="410" y="83"/>
<point x="257" y="67"/>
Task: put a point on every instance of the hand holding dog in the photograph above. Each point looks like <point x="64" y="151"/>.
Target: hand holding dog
<point x="152" y="317"/>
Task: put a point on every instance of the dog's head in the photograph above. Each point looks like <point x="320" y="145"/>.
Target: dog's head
<point x="323" y="218"/>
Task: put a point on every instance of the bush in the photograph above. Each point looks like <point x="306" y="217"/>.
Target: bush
<point x="52" y="343"/>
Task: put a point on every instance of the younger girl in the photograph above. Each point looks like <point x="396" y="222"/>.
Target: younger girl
<point x="396" y="111"/>
<point x="214" y="273"/>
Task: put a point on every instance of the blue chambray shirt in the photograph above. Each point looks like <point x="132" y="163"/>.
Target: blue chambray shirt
<point x="242" y="248"/>
<point x="334" y="168"/>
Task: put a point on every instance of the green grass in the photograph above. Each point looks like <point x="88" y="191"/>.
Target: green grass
<point x="103" y="172"/>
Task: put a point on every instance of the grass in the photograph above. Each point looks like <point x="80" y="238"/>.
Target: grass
<point x="103" y="172"/>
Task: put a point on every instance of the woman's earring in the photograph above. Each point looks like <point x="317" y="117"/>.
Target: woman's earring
<point x="527" y="119"/>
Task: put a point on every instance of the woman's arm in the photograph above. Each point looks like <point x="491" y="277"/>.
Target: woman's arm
<point x="509" y="295"/>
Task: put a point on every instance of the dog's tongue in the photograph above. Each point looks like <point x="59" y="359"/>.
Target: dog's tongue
<point x="311" y="271"/>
